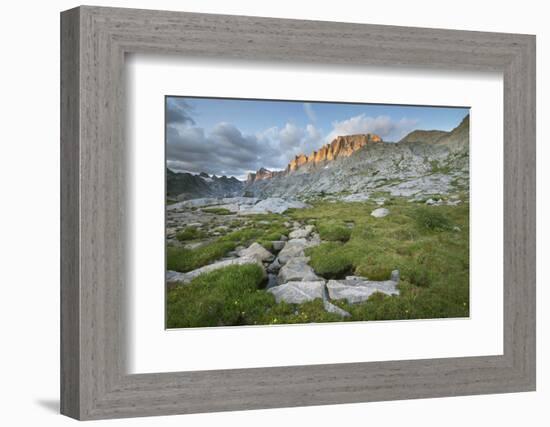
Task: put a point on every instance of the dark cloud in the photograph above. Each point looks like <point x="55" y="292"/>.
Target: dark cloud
<point x="224" y="151"/>
<point x="178" y="112"/>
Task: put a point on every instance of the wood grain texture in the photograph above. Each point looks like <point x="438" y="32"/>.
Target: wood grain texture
<point x="70" y="297"/>
<point x="94" y="272"/>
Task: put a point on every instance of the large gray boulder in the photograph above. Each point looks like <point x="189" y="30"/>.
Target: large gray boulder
<point x="301" y="233"/>
<point x="272" y="205"/>
<point x="256" y="251"/>
<point x="380" y="212"/>
<point x="184" y="278"/>
<point x="293" y="248"/>
<point x="357" y="197"/>
<point x="298" y="292"/>
<point x="297" y="269"/>
<point x="231" y="207"/>
<point x="356" y="291"/>
<point x="331" y="308"/>
<point x="314" y="240"/>
<point x="240" y="200"/>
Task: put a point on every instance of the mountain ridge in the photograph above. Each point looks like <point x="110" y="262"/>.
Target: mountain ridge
<point x="409" y="168"/>
<point x="422" y="162"/>
<point x="185" y="185"/>
<point x="341" y="146"/>
<point x="347" y="145"/>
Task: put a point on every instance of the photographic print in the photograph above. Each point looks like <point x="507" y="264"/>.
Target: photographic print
<point x="293" y="212"/>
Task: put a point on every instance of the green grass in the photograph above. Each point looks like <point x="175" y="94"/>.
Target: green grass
<point x="225" y="297"/>
<point x="183" y="260"/>
<point x="433" y="259"/>
<point x="330" y="260"/>
<point x="428" y="244"/>
<point x="334" y="231"/>
<point x="234" y="296"/>
<point x="217" y="211"/>
<point x="190" y="233"/>
<point x="432" y="219"/>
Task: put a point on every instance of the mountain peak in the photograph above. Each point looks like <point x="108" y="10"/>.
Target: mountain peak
<point x="341" y="146"/>
<point x="438" y="136"/>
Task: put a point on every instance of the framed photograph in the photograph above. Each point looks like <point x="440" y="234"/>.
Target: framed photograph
<point x="262" y="213"/>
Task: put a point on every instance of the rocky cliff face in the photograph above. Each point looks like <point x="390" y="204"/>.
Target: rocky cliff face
<point x="341" y="146"/>
<point x="262" y="173"/>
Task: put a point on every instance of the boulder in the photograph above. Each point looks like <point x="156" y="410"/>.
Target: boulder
<point x="298" y="292"/>
<point x="359" y="291"/>
<point x="293" y="248"/>
<point x="355" y="279"/>
<point x="331" y="308"/>
<point x="184" y="278"/>
<point x="300" y="233"/>
<point x="272" y="205"/>
<point x="357" y="197"/>
<point x="314" y="240"/>
<point x="256" y="251"/>
<point x="297" y="269"/>
<point x="433" y="202"/>
<point x="380" y="212"/>
<point x="240" y="200"/>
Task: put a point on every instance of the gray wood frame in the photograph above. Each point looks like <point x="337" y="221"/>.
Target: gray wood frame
<point x="94" y="382"/>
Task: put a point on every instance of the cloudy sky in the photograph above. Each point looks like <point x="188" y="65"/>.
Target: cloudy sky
<point x="233" y="137"/>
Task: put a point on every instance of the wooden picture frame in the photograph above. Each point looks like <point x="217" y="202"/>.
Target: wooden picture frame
<point x="94" y="382"/>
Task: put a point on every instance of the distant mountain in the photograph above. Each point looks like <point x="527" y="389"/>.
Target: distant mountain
<point x="262" y="173"/>
<point x="423" y="162"/>
<point x="183" y="185"/>
<point x="425" y="136"/>
<point x="456" y="139"/>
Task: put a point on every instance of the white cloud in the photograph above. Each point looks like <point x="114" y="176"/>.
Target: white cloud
<point x="383" y="126"/>
<point x="290" y="136"/>
<point x="308" y="108"/>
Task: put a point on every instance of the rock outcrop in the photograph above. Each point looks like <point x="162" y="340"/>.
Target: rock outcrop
<point x="358" y="289"/>
<point x="260" y="174"/>
<point x="298" y="292"/>
<point x="341" y="146"/>
<point x="184" y="278"/>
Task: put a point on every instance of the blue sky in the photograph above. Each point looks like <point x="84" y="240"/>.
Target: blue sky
<point x="235" y="136"/>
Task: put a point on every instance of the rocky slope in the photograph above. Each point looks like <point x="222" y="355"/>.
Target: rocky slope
<point x="340" y="147"/>
<point x="423" y="163"/>
<point x="184" y="186"/>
